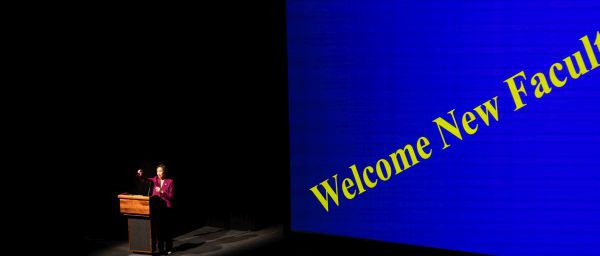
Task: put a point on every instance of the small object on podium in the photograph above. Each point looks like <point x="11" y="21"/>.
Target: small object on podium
<point x="137" y="210"/>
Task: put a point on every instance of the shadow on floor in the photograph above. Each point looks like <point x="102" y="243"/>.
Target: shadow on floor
<point x="187" y="246"/>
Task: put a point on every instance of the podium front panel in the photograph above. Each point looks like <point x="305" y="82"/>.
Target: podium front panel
<point x="140" y="234"/>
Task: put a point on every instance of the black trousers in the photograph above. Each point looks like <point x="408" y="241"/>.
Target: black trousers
<point x="162" y="229"/>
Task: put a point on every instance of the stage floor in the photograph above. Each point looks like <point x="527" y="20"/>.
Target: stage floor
<point x="208" y="241"/>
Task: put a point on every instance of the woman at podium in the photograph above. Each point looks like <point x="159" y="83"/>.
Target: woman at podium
<point x="161" y="203"/>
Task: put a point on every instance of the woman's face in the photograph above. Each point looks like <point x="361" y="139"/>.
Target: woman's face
<point x="160" y="172"/>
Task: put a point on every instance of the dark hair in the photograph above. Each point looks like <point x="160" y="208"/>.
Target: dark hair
<point x="163" y="166"/>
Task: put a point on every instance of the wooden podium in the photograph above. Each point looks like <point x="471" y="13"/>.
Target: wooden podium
<point x="137" y="210"/>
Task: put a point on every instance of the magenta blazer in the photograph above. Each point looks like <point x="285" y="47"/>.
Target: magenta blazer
<point x="167" y="189"/>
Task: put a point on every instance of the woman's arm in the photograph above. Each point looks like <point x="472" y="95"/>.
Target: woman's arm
<point x="140" y="175"/>
<point x="168" y="192"/>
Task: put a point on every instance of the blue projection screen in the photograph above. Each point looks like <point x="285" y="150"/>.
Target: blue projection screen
<point x="471" y="126"/>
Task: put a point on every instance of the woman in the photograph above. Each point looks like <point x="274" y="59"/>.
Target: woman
<point x="162" y="204"/>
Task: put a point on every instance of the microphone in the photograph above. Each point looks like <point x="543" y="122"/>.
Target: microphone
<point x="150" y="185"/>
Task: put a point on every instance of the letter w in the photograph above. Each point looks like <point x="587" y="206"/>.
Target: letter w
<point x="329" y="192"/>
<point x="488" y="110"/>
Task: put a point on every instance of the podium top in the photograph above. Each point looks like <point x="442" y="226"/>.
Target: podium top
<point x="133" y="196"/>
<point x="134" y="205"/>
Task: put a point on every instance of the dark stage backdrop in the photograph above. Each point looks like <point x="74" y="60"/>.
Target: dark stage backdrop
<point x="201" y="89"/>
